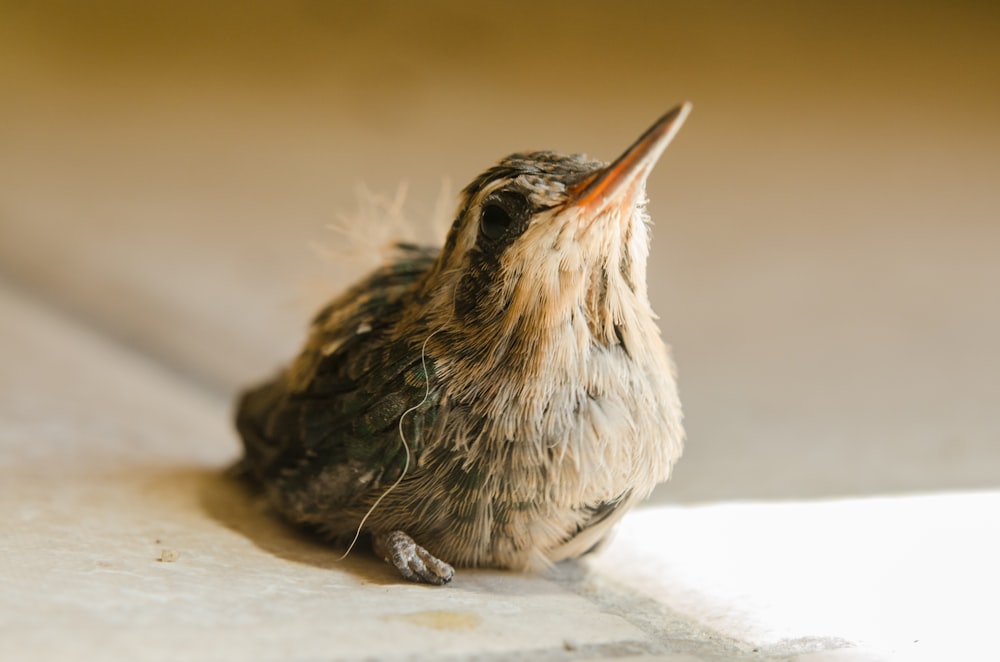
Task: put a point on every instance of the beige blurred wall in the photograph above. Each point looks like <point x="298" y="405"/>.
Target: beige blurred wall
<point x="827" y="224"/>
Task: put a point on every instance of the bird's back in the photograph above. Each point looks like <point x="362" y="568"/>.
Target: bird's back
<point x="325" y="432"/>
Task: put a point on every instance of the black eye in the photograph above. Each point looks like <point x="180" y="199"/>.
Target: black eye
<point x="494" y="221"/>
<point x="504" y="215"/>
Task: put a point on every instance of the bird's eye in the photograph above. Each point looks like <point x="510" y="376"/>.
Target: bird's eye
<point x="504" y="215"/>
<point x="494" y="221"/>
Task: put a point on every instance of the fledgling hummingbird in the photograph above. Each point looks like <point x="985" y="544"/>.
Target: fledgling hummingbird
<point x="500" y="402"/>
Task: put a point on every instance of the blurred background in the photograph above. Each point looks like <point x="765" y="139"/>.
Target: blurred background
<point x="827" y="224"/>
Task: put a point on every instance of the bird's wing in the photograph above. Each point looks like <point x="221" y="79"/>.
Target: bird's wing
<point x="328" y="428"/>
<point x="591" y="534"/>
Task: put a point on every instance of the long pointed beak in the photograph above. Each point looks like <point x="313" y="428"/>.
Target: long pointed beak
<point x="629" y="170"/>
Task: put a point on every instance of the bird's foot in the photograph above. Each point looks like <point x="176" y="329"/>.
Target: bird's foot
<point x="413" y="561"/>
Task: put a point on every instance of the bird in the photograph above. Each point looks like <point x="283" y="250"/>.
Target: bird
<point x="497" y="402"/>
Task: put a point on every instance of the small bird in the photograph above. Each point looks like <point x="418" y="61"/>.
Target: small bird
<point x="499" y="402"/>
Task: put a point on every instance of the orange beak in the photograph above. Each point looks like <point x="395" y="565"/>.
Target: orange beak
<point x="629" y="171"/>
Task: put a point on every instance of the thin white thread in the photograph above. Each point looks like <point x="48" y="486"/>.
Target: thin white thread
<point x="402" y="438"/>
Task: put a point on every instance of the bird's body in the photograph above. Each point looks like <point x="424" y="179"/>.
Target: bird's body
<point x="501" y="401"/>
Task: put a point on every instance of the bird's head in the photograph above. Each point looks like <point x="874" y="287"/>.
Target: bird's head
<point x="548" y="245"/>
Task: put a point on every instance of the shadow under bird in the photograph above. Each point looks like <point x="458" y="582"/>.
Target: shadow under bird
<point x="498" y="402"/>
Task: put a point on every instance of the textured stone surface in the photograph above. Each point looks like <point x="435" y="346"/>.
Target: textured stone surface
<point x="123" y="539"/>
<point x="900" y="578"/>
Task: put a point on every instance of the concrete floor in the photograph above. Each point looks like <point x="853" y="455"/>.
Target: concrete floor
<point x="824" y="264"/>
